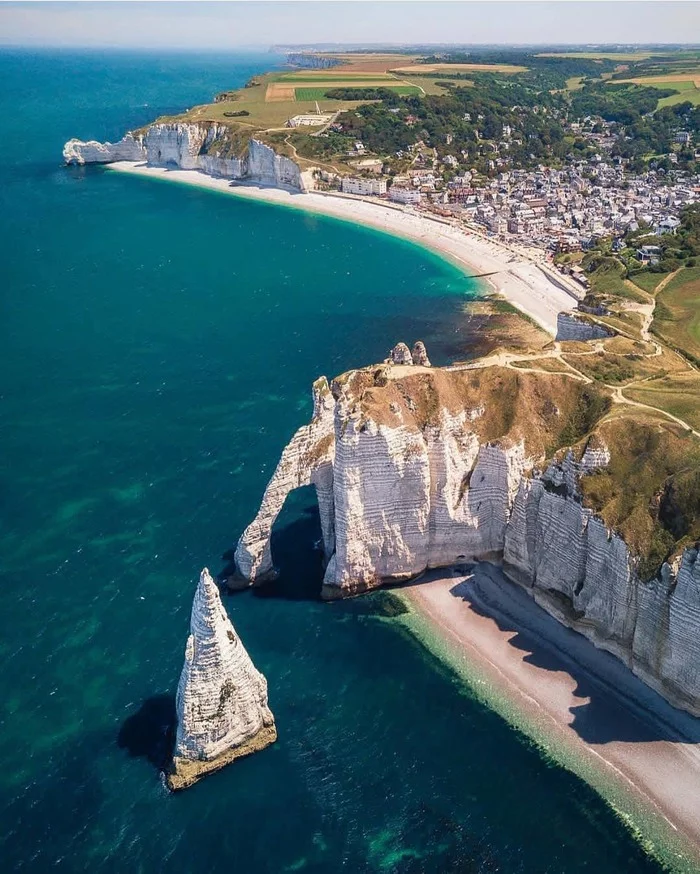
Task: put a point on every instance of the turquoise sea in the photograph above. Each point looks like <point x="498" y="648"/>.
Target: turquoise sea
<point x="158" y="347"/>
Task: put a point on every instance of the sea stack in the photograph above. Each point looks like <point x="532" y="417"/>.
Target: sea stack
<point x="222" y="709"/>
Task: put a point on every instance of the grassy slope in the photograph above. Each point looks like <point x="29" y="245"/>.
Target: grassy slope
<point x="648" y="280"/>
<point x="677" y="314"/>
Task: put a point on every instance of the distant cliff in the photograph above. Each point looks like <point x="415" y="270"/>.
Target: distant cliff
<point x="208" y="147"/>
<point x="311" y="61"/>
<point x="418" y="467"/>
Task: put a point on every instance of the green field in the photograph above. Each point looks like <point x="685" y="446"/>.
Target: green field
<point x="648" y="280"/>
<point x="685" y="84"/>
<point x="677" y="314"/>
<point x="327" y="78"/>
<point x="607" y="56"/>
<point x="320" y="93"/>
<point x="687" y="91"/>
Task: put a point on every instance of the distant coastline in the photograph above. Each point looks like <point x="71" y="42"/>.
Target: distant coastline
<point x="521" y="282"/>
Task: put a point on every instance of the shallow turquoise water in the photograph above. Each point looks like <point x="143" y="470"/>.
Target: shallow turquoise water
<point x="158" y="348"/>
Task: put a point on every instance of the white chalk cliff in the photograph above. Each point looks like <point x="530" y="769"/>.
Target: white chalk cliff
<point x="222" y="709"/>
<point x="207" y="147"/>
<point x="419" y="468"/>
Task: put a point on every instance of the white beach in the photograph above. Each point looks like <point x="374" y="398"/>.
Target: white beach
<point x="528" y="285"/>
<point x="574" y="697"/>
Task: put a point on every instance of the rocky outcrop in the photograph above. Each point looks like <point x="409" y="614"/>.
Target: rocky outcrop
<point x="208" y="147"/>
<point x="401" y="354"/>
<point x="573" y="327"/>
<point x="307" y="459"/>
<point x="222" y="709"/>
<point x="420" y="468"/>
<point x="419" y="354"/>
<point x="266" y="166"/>
<point x="129" y="148"/>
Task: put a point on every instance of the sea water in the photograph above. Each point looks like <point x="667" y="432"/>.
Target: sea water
<point x="158" y="347"/>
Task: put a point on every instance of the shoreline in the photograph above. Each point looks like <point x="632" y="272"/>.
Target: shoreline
<point x="581" y="705"/>
<point x="520" y="281"/>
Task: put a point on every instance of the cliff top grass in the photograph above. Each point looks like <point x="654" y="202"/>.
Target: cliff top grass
<point x="677" y="313"/>
<point x="270" y="100"/>
<point x="546" y="410"/>
<point x="650" y="491"/>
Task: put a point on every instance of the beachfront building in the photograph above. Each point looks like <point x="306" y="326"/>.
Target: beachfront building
<point x="404" y="195"/>
<point x="364" y="187"/>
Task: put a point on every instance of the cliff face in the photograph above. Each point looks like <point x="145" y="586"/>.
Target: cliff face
<point x="222" y="710"/>
<point x="207" y="147"/>
<point x="418" y="468"/>
<point x="129" y="148"/>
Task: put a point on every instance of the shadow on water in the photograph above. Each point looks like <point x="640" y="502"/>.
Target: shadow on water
<point x="297" y="556"/>
<point x="295" y="545"/>
<point x="150" y="732"/>
<point x="616" y="705"/>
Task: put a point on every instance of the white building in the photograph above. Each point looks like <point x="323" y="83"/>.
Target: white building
<point x="310" y="120"/>
<point x="358" y="185"/>
<point x="404" y="195"/>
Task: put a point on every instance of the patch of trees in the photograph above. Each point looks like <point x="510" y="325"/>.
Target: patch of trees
<point x="622" y="103"/>
<point x="361" y="94"/>
<point x="238" y="114"/>
<point x="677" y="250"/>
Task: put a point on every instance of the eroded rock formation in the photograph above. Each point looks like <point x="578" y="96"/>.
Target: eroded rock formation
<point x="209" y="147"/>
<point x="419" y="469"/>
<point x="571" y="326"/>
<point x="222" y="709"/>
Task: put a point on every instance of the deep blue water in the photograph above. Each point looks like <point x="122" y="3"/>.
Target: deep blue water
<point x="158" y="346"/>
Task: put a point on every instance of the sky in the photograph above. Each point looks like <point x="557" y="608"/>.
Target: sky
<point x="262" y="23"/>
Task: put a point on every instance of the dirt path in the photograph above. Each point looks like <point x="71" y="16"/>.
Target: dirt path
<point x="510" y="359"/>
<point x="665" y="281"/>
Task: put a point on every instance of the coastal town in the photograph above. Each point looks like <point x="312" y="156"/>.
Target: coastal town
<point x="555" y="210"/>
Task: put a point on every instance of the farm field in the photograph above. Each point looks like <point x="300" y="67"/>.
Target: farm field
<point x="431" y="85"/>
<point x="369" y="62"/>
<point x="340" y="74"/>
<point x="274" y="98"/>
<point x="607" y="56"/>
<point x="677" y="314"/>
<point x="687" y="83"/>
<point x="461" y="68"/>
<point x="314" y="84"/>
<point x="319" y="93"/>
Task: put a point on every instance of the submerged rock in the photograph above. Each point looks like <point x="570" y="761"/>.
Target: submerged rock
<point x="222" y="709"/>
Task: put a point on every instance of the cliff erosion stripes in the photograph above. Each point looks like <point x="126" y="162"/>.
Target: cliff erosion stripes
<point x="193" y="147"/>
<point x="419" y="468"/>
<point x="222" y="709"/>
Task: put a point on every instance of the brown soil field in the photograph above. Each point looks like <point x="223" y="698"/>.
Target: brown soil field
<point x="693" y="77"/>
<point x="461" y="68"/>
<point x="369" y="63"/>
<point x="278" y="92"/>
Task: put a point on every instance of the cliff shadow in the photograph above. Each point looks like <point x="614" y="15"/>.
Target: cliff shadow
<point x="296" y="550"/>
<point x="150" y="732"/>
<point x="615" y="705"/>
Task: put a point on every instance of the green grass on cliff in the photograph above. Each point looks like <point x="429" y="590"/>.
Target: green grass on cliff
<point x="677" y="313"/>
